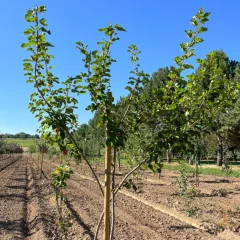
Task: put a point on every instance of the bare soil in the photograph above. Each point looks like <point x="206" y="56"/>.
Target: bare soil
<point x="24" y="213"/>
<point x="28" y="206"/>
<point x="134" y="220"/>
<point x="215" y="203"/>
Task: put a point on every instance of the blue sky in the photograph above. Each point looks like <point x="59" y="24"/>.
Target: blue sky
<point x="157" y="27"/>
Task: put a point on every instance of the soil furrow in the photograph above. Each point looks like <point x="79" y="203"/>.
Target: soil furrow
<point x="7" y="174"/>
<point x="9" y="164"/>
<point x="134" y="219"/>
<point x="25" y="211"/>
<point x="13" y="203"/>
<point x="41" y="216"/>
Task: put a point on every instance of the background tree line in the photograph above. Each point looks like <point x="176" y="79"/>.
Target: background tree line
<point x="21" y="135"/>
<point x="218" y="140"/>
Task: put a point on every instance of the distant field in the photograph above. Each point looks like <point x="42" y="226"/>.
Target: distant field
<point x="22" y="142"/>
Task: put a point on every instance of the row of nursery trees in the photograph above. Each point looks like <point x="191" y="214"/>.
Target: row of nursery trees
<point x="221" y="140"/>
<point x="9" y="148"/>
<point x="162" y="113"/>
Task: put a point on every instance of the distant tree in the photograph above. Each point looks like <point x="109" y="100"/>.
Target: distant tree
<point x="22" y="135"/>
<point x="218" y="67"/>
<point x="36" y="136"/>
<point x="91" y="136"/>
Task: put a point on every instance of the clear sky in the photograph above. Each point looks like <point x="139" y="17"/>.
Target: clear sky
<point x="157" y="27"/>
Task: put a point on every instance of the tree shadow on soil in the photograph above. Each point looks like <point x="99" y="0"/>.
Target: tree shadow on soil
<point x="45" y="176"/>
<point x="78" y="219"/>
<point x="7" y="165"/>
<point x="157" y="184"/>
<point x="215" y="181"/>
<point x="181" y="227"/>
<point x="16" y="226"/>
<point x="19" y="179"/>
<point x="77" y="180"/>
<point x="22" y="187"/>
<point x="42" y="220"/>
<point x="11" y="197"/>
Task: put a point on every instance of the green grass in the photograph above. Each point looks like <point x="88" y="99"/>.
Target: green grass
<point x="190" y="169"/>
<point x="210" y="162"/>
<point x="233" y="163"/>
<point x="21" y="142"/>
<point x="204" y="171"/>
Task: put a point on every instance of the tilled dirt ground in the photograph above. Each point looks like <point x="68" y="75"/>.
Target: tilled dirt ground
<point x="134" y="220"/>
<point x="23" y="211"/>
<point x="215" y="203"/>
<point x="28" y="206"/>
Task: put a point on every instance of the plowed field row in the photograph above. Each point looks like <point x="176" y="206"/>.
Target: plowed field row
<point x="28" y="206"/>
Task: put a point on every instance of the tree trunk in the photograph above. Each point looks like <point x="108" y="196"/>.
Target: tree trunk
<point x="220" y="152"/>
<point x="119" y="166"/>
<point x="38" y="163"/>
<point x="190" y="161"/>
<point x="119" y="162"/>
<point x="169" y="156"/>
<point x="41" y="167"/>
<point x="107" y="190"/>
<point x="234" y="155"/>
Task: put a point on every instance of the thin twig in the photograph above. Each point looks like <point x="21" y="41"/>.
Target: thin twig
<point x="128" y="174"/>
<point x="98" y="226"/>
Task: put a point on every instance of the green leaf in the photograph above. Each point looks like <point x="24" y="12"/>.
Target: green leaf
<point x="187" y="66"/>
<point x="128" y="88"/>
<point x="178" y="60"/>
<point x="202" y="29"/>
<point x="189" y="85"/>
<point x="43" y="22"/>
<point x="189" y="33"/>
<point x="199" y="61"/>
<point x="194" y="22"/>
<point x="49" y="44"/>
<point x="183" y="47"/>
<point x="198" y="40"/>
<point x="119" y="28"/>
<point x="181" y="100"/>
<point x="84" y="51"/>
<point x="24" y="45"/>
<point x="28" y="31"/>
<point x="206" y="15"/>
<point x="29" y="15"/>
<point x="42" y="9"/>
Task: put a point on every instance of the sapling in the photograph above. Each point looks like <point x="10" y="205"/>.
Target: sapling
<point x="182" y="181"/>
<point x="59" y="181"/>
<point x="55" y="106"/>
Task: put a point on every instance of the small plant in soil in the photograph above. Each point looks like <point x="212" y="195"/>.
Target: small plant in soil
<point x="129" y="184"/>
<point x="227" y="170"/>
<point x="191" y="211"/>
<point x="59" y="181"/>
<point x="182" y="181"/>
<point x="186" y="191"/>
